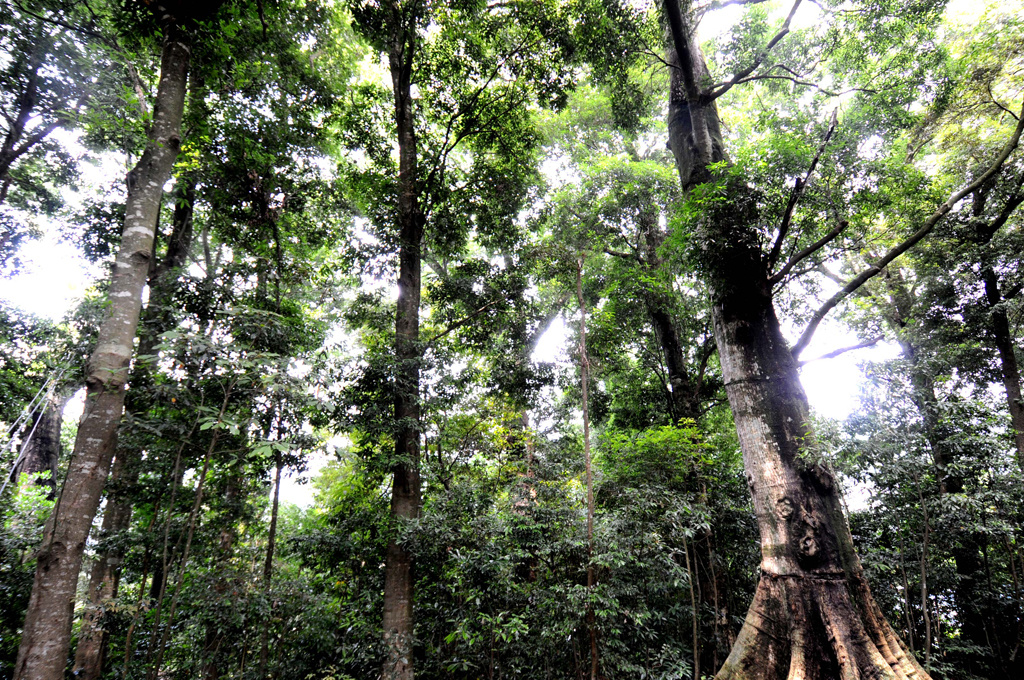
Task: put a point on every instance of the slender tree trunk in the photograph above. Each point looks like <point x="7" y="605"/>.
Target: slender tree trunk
<point x="268" y="569"/>
<point x="157" y="318"/>
<point x="684" y="401"/>
<point x="813" y="615"/>
<point x="1008" y="359"/>
<point x="694" y="610"/>
<point x="584" y="383"/>
<point x="405" y="488"/>
<point x="926" y="534"/>
<point x="47" y="630"/>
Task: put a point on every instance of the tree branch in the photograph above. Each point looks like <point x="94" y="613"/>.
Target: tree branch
<point x="808" y="251"/>
<point x="843" y="350"/>
<point x="58" y="22"/>
<point x="460" y="323"/>
<point x="619" y="253"/>
<point x="798" y="190"/>
<point x="720" y="89"/>
<point x="996" y="102"/>
<point x="906" y="245"/>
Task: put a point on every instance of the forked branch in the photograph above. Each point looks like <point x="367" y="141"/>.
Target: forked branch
<point x="798" y="190"/>
<point x="926" y="228"/>
<point x="721" y="88"/>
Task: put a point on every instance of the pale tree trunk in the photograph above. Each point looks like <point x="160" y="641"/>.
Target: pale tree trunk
<point x="813" y="615"/>
<point x="47" y="630"/>
<point x="156" y="319"/>
<point x="584" y="386"/>
<point x="405" y="488"/>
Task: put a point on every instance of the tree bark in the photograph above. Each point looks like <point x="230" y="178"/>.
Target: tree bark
<point x="157" y="318"/>
<point x="813" y="615"/>
<point x="1007" y="358"/>
<point x="405" y="488"/>
<point x="268" y="568"/>
<point x="47" y="630"/>
<point x="42" y="449"/>
<point x="584" y="384"/>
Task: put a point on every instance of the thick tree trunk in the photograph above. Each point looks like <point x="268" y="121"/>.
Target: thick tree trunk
<point x="1007" y="358"/>
<point x="42" y="450"/>
<point x="157" y="318"/>
<point x="47" y="629"/>
<point x="813" y="615"/>
<point x="405" y="488"/>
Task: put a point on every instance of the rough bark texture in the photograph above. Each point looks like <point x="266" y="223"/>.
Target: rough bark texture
<point x="813" y="615"/>
<point x="47" y="630"/>
<point x="405" y="490"/>
<point x="42" y="450"/>
<point x="157" y="318"/>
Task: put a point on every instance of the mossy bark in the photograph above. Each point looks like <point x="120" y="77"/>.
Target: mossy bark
<point x="813" y="615"/>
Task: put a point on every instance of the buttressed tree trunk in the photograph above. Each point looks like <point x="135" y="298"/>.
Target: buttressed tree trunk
<point x="47" y="630"/>
<point x="156" y="320"/>
<point x="405" y="490"/>
<point x="813" y="615"/>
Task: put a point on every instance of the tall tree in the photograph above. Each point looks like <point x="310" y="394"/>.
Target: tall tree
<point x="813" y="614"/>
<point x="47" y="629"/>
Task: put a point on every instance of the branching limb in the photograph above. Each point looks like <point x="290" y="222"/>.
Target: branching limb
<point x="996" y="102"/>
<point x="808" y="251"/>
<point x="460" y="323"/>
<point x="619" y="253"/>
<point x="787" y="216"/>
<point x="721" y="88"/>
<point x="843" y="350"/>
<point x="876" y="268"/>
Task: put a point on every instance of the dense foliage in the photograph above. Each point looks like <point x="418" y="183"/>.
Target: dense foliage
<point x="258" y="444"/>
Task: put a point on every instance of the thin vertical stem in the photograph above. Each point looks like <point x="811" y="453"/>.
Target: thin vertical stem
<point x="585" y="378"/>
<point x="268" y="566"/>
<point x="155" y="671"/>
<point x="693" y="607"/>
<point x="924" y="577"/>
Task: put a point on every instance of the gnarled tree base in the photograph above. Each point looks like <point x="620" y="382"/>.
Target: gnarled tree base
<point x="817" y="626"/>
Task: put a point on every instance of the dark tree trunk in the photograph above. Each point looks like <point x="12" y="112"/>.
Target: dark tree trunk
<point x="42" y="449"/>
<point x="268" y="569"/>
<point x="813" y="615"/>
<point x="683" y="398"/>
<point x="47" y="630"/>
<point x="1007" y="358"/>
<point x="405" y="489"/>
<point x="157" y="318"/>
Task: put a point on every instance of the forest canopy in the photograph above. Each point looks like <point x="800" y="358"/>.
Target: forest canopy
<point x="469" y="339"/>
